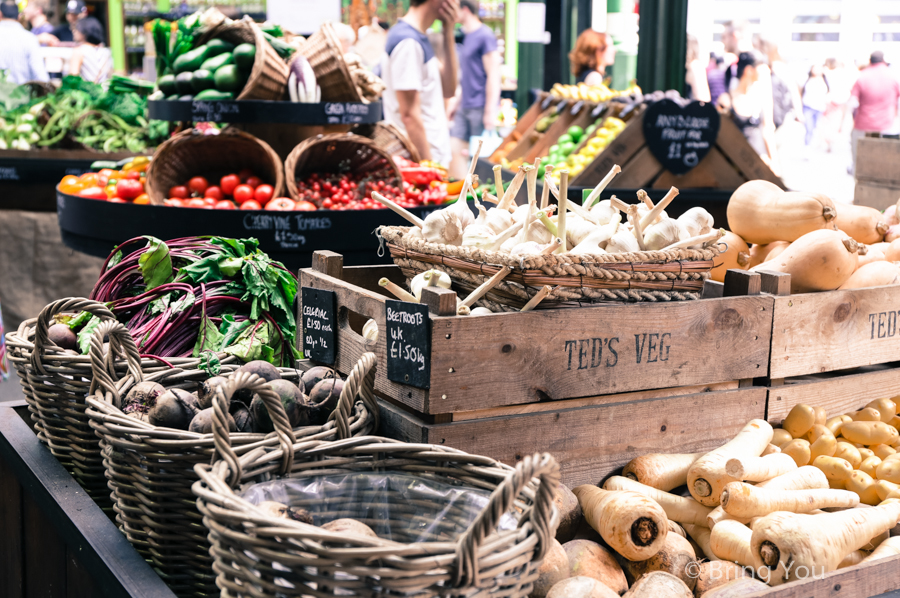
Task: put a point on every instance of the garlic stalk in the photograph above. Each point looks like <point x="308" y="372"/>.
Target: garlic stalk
<point x="538" y="297"/>
<point x="635" y="221"/>
<point x="618" y="204"/>
<point x="427" y="279"/>
<point x="409" y="216"/>
<point x="697" y="221"/>
<point x="486" y="286"/>
<point x="545" y="192"/>
<point x="662" y="234"/>
<point x="500" y="238"/>
<point x="498" y="179"/>
<point x="552" y="246"/>
<point x="509" y="196"/>
<point x="397" y="291"/>
<point x="642" y="195"/>
<point x="595" y="194"/>
<point x="650" y="217"/>
<point x="463" y="310"/>
<point x="548" y="224"/>
<point x="597" y="240"/>
<point x="647" y="206"/>
<point x="563" y="202"/>
<point x="572" y="206"/>
<point x="487" y="197"/>
<point x="700" y="240"/>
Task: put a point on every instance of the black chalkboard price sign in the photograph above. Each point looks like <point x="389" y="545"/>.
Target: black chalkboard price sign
<point x="680" y="136"/>
<point x="319" y="326"/>
<point x="408" y="343"/>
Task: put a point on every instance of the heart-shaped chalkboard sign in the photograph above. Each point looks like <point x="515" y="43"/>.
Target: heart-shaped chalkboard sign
<point x="680" y="136"/>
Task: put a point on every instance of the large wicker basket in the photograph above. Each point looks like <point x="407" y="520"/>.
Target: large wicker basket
<point x="191" y="153"/>
<point x="268" y="79"/>
<point x="672" y="275"/>
<point x="338" y="152"/>
<point x="390" y="138"/>
<point x="262" y="556"/>
<point x="323" y="51"/>
<point x="151" y="470"/>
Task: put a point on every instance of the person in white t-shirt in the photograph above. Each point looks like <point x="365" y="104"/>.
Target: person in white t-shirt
<point x="416" y="82"/>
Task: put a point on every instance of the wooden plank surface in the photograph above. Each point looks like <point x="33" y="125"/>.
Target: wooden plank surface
<point x="640" y="171"/>
<point x="878" y="160"/>
<point x="875" y="195"/>
<point x="837" y="394"/>
<point x="733" y="145"/>
<point x="862" y="581"/>
<point x="823" y="332"/>
<point x="523" y="124"/>
<point x="79" y="583"/>
<point x="511" y="359"/>
<point x="591" y="443"/>
<point x="45" y="556"/>
<point x="713" y="172"/>
<point x="12" y="582"/>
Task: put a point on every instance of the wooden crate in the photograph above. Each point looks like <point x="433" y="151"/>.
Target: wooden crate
<point x="526" y="123"/>
<point x="877" y="172"/>
<point x="578" y="114"/>
<point x="549" y="355"/>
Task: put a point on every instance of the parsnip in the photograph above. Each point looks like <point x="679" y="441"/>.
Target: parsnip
<point x="730" y="541"/>
<point x="802" y="478"/>
<point x="675" y="528"/>
<point x="854" y="558"/>
<point x="718" y="515"/>
<point x="700" y="535"/>
<point x="743" y="500"/>
<point x="888" y="548"/>
<point x="707" y="476"/>
<point x="771" y="450"/>
<point x="632" y="524"/>
<point x="789" y="545"/>
<point x="677" y="508"/>
<point x="661" y="471"/>
<point x="715" y="575"/>
<point x="759" y="469"/>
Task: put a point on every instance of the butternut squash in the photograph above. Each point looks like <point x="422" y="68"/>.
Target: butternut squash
<point x="821" y="260"/>
<point x="761" y="253"/>
<point x="892" y="234"/>
<point x="735" y="256"/>
<point x="876" y="274"/>
<point x="892" y="253"/>
<point x="862" y="223"/>
<point x="761" y="212"/>
<point x="890" y="215"/>
<point x="871" y="255"/>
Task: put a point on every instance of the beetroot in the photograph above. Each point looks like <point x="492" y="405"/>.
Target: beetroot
<point x="203" y="422"/>
<point x="243" y="419"/>
<point x="294" y="402"/>
<point x="263" y="369"/>
<point x="313" y="376"/>
<point x="323" y="399"/>
<point x="174" y="409"/>
<point x="62" y="336"/>
<point x="208" y="390"/>
<point x="141" y="398"/>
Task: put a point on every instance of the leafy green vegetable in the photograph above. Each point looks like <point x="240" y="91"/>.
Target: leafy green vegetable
<point x="84" y="337"/>
<point x="210" y="363"/>
<point x="156" y="264"/>
<point x="79" y="320"/>
<point x="115" y="259"/>
<point x="209" y="338"/>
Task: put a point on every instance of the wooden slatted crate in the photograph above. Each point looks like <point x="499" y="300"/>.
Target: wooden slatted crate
<point x="877" y="172"/>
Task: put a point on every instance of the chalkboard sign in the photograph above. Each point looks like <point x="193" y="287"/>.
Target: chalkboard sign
<point x="680" y="136"/>
<point x="408" y="343"/>
<point x="318" y="324"/>
<point x="260" y="111"/>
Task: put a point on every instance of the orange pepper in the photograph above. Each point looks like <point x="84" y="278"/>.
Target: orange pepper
<point x="454" y="188"/>
<point x="89" y="179"/>
<point x="110" y="191"/>
<point x="143" y="199"/>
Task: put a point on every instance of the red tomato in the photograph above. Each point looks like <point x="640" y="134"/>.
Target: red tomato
<point x="228" y="183"/>
<point x="174" y="202"/>
<point x="253" y="181"/>
<point x="214" y="192"/>
<point x="179" y="191"/>
<point x="134" y="175"/>
<point x="210" y="201"/>
<point x="117" y="200"/>
<point x="196" y="203"/>
<point x="251" y="204"/>
<point x="93" y="193"/>
<point x="129" y="189"/>
<point x="245" y="174"/>
<point x="263" y="193"/>
<point x="243" y="193"/>
<point x="198" y="185"/>
<point x="281" y="204"/>
<point x="224" y="205"/>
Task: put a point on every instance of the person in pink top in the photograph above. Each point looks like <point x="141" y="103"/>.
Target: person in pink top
<point x="876" y="93"/>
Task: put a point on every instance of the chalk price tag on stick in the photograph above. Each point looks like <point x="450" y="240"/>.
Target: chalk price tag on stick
<point x="408" y="343"/>
<point x="319" y="325"/>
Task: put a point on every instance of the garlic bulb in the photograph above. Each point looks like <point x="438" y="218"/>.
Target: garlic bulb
<point x="420" y="281"/>
<point x="662" y="234"/>
<point x="414" y="233"/>
<point x="598" y="239"/>
<point x="478" y="233"/>
<point x="370" y="331"/>
<point x="509" y="244"/>
<point x="442" y="226"/>
<point x="498" y="220"/>
<point x="520" y="213"/>
<point x="526" y="248"/>
<point x="577" y="230"/>
<point x="538" y="233"/>
<point x="480" y="311"/>
<point x="622" y="242"/>
<point x="697" y="221"/>
<point x="604" y="212"/>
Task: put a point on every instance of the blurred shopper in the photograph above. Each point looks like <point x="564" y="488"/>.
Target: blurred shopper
<point x="75" y="11"/>
<point x="786" y="101"/>
<point x="594" y="51"/>
<point x="840" y="82"/>
<point x="746" y="104"/>
<point x="20" y="52"/>
<point x="875" y="94"/>
<point x="346" y="35"/>
<point x="91" y="60"/>
<point x="36" y="13"/>
<point x="695" y="77"/>
<point x="416" y="82"/>
<point x="715" y="77"/>
<point x="479" y="67"/>
<point x="815" y="100"/>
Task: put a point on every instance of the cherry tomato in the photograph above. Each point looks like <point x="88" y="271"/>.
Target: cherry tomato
<point x="263" y="193"/>
<point x="281" y="204"/>
<point x="142" y="200"/>
<point x="214" y="191"/>
<point x="134" y="175"/>
<point x="243" y="193"/>
<point x="179" y="191"/>
<point x="129" y="189"/>
<point x="196" y="203"/>
<point x="117" y="200"/>
<point x="93" y="193"/>
<point x="225" y="205"/>
<point x="245" y="174"/>
<point x="174" y="202"/>
<point x="229" y="183"/>
<point x="251" y="204"/>
<point x="198" y="185"/>
<point x="253" y="181"/>
<point x="305" y="206"/>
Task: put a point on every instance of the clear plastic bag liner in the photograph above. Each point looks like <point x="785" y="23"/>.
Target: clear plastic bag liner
<point x="396" y="506"/>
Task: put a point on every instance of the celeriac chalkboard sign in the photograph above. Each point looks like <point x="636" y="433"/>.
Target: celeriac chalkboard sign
<point x="408" y="343"/>
<point x="680" y="136"/>
<point x="319" y="325"/>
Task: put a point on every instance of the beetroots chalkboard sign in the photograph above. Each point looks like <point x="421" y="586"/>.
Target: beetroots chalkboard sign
<point x="408" y="343"/>
<point x="680" y="136"/>
<point x="319" y="326"/>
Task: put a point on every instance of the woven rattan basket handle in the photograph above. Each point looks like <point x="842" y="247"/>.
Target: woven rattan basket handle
<point x="103" y="367"/>
<point x="42" y="326"/>
<point x="541" y="515"/>
<point x="222" y="437"/>
<point x="361" y="382"/>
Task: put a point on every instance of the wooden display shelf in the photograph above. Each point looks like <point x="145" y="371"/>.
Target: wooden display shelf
<point x="544" y="105"/>
<point x="877" y="172"/>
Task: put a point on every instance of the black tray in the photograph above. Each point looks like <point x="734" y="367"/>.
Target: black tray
<point x="96" y="227"/>
<point x="259" y="111"/>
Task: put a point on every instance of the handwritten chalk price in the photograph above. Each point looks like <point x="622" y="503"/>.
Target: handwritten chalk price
<point x="409" y="343"/>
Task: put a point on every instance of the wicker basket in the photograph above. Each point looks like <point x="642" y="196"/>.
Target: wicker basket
<point x="338" y="152"/>
<point x="151" y="470"/>
<point x="323" y="51"/>
<point x="262" y="556"/>
<point x="191" y="153"/>
<point x="268" y="79"/>
<point x="673" y="275"/>
<point x="390" y="138"/>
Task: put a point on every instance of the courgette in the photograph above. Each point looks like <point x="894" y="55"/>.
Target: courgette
<point x="229" y="78"/>
<point x="166" y="84"/>
<point x="217" y="46"/>
<point x="183" y="83"/>
<point x="191" y="61"/>
<point x="214" y="95"/>
<point x="203" y="79"/>
<point x="244" y="56"/>
<point x="216" y="62"/>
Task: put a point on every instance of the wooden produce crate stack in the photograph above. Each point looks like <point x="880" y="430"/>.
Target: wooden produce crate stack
<point x="597" y="385"/>
<point x="877" y="172"/>
<point x="524" y="124"/>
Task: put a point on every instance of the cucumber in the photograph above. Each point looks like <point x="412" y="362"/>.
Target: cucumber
<point x="203" y="80"/>
<point x="214" y="95"/>
<point x="229" y="78"/>
<point x="190" y="61"/>
<point x="172" y="98"/>
<point x="217" y="46"/>
<point x="186" y="98"/>
<point x="216" y="62"/>
<point x="244" y="56"/>
<point x="166" y="84"/>
<point x="183" y="83"/>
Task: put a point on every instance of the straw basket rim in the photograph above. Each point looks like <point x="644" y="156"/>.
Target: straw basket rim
<point x="340" y="86"/>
